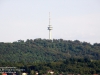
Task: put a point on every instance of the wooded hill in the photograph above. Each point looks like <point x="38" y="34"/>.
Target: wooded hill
<point x="71" y="66"/>
<point x="43" y="50"/>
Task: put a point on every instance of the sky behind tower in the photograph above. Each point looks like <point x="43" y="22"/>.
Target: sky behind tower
<point x="70" y="19"/>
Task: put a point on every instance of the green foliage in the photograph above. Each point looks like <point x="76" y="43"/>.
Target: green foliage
<point x="70" y="66"/>
<point x="42" y="50"/>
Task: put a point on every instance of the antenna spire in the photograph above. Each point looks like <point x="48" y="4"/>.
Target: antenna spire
<point x="49" y="18"/>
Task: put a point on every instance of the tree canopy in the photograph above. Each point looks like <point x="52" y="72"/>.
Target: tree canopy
<point x="43" y="50"/>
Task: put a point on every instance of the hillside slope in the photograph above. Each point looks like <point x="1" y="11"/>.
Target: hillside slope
<point x="42" y="50"/>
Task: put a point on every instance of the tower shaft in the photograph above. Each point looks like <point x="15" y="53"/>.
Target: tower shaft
<point x="50" y="34"/>
<point x="49" y="28"/>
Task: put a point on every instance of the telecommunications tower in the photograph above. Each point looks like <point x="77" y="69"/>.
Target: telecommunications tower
<point x="49" y="28"/>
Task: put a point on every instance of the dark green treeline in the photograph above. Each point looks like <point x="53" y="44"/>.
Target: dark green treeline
<point x="74" y="66"/>
<point x="43" y="50"/>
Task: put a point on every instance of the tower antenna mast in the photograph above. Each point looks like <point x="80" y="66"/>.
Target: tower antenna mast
<point x="50" y="28"/>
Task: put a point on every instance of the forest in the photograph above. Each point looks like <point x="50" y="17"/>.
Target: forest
<point x="71" y="66"/>
<point x="58" y="55"/>
<point x="43" y="50"/>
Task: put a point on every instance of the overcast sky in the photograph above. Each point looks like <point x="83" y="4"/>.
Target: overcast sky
<point x="29" y="19"/>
